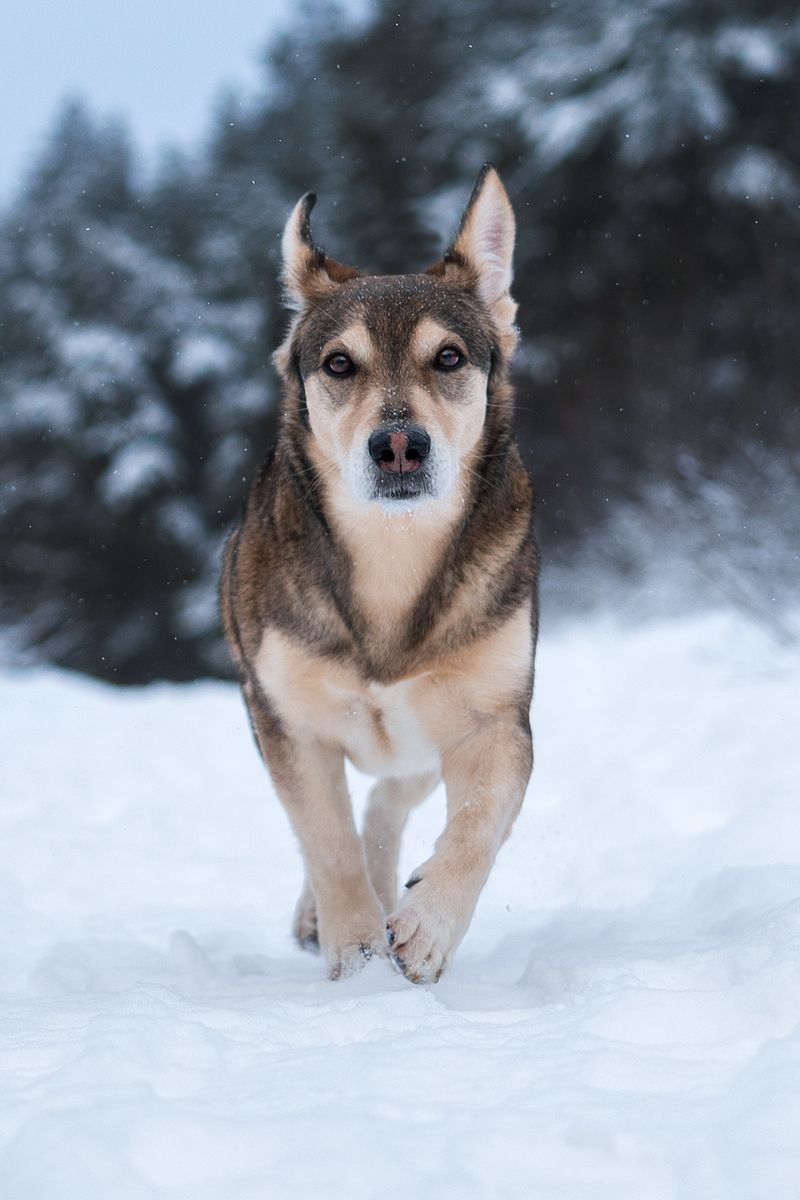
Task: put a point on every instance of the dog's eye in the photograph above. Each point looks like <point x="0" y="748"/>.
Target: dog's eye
<point x="339" y="365"/>
<point x="448" y="359"/>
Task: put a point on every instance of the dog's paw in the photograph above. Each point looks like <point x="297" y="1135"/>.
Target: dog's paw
<point x="351" y="936"/>
<point x="348" y="959"/>
<point x="420" y="941"/>
<point x="305" y="929"/>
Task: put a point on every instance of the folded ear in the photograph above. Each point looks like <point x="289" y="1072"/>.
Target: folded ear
<point x="308" y="273"/>
<point x="484" y="245"/>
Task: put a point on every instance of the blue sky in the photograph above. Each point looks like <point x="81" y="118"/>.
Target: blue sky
<point x="158" y="63"/>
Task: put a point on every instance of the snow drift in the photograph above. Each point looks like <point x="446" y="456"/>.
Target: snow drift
<point x="623" y="1019"/>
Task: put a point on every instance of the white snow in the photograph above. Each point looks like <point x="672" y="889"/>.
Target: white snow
<point x="623" y="1020"/>
<point x="136" y="469"/>
<point x="758" y="52"/>
<point x="199" y="357"/>
<point x="99" y="353"/>
<point x="38" y="407"/>
<point x="758" y="176"/>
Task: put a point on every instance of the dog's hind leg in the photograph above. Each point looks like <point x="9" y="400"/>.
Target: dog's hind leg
<point x="388" y="807"/>
<point x="304" y="921"/>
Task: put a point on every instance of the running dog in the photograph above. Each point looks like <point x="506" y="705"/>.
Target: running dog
<point x="380" y="594"/>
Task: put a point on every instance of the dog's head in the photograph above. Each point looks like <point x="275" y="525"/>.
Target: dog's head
<point x="389" y="377"/>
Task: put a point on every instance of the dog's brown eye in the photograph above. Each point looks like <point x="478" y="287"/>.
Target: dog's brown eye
<point x="449" y="358"/>
<point x="339" y="365"/>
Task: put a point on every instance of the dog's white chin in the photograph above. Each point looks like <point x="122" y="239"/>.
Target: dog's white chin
<point x="442" y="472"/>
<point x="401" y="507"/>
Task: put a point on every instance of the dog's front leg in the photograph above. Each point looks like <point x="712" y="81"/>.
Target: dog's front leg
<point x="309" y="778"/>
<point x="485" y="776"/>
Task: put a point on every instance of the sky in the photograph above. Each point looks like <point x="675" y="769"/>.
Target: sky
<point x="157" y="63"/>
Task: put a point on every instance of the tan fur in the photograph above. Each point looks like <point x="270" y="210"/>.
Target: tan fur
<point x="337" y="428"/>
<point x="400" y="636"/>
<point x="395" y="729"/>
<point x="393" y="557"/>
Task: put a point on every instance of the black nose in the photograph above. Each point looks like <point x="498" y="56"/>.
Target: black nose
<point x="399" y="450"/>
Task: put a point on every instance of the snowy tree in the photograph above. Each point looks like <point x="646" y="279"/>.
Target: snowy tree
<point x="112" y="362"/>
<point x="654" y="162"/>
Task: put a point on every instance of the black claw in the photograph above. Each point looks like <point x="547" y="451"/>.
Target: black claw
<point x="402" y="967"/>
<point x="366" y="950"/>
<point x="390" y="936"/>
<point x="415" y="879"/>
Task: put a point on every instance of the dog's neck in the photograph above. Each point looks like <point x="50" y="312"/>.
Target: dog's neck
<point x="394" y="556"/>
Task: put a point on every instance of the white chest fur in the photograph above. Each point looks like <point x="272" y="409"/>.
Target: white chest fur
<point x="379" y="728"/>
<point x="403" y="728"/>
<point x="381" y="731"/>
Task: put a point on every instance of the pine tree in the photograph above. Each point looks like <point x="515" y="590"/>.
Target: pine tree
<point x="653" y="159"/>
<point x="107" y="351"/>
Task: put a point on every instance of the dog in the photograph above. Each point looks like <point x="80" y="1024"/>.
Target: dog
<point x="379" y="596"/>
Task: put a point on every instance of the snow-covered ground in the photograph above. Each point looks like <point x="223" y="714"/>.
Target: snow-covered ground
<point x="623" y="1020"/>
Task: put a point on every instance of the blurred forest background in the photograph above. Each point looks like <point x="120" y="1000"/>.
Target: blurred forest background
<point x="652" y="153"/>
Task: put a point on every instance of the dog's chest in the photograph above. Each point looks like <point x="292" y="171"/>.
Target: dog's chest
<point x="380" y="728"/>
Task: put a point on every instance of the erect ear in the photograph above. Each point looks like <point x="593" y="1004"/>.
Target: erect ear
<point x="484" y="245"/>
<point x="308" y="273"/>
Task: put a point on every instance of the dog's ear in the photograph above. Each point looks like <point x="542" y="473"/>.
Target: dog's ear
<point x="484" y="246"/>
<point x="308" y="273"/>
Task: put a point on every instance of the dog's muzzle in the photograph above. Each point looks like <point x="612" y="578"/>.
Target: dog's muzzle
<point x="399" y="451"/>
<point x="399" y="456"/>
